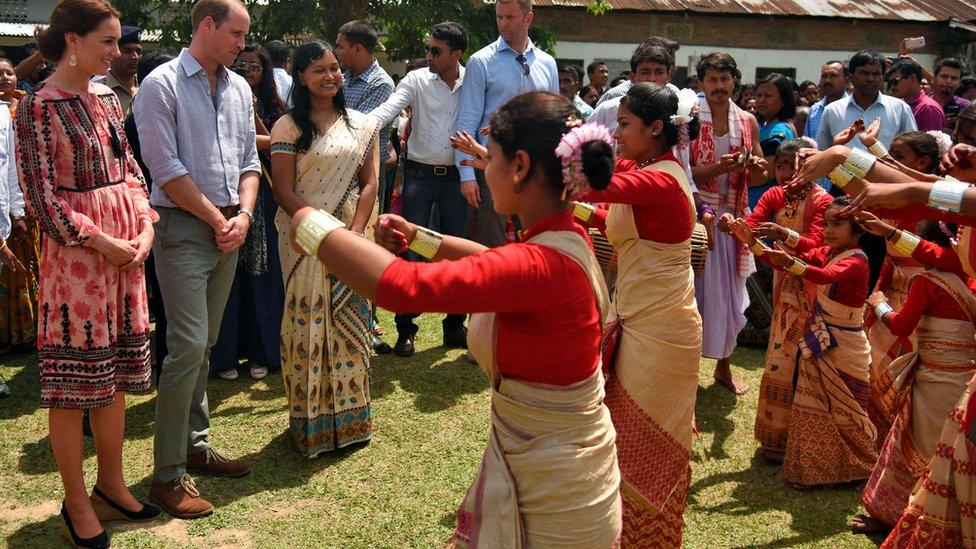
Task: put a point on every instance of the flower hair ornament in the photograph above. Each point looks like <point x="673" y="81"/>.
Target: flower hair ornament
<point x="942" y="140"/>
<point x="570" y="154"/>
<point x="687" y="101"/>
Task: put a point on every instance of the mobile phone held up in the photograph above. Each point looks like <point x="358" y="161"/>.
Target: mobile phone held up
<point x="915" y="43"/>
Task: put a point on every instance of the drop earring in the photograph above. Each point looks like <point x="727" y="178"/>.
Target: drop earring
<point x="73" y="61"/>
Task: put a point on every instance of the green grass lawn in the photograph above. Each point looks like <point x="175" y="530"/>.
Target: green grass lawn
<point x="431" y="423"/>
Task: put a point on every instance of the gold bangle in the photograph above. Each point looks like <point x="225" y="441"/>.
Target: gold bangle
<point x="797" y="267"/>
<point x="906" y="243"/>
<point x="583" y="211"/>
<point x="426" y="242"/>
<point x="759" y="247"/>
<point x="878" y="149"/>
<point x="840" y="176"/>
<point x="792" y="238"/>
<point x="312" y="230"/>
<point x="859" y="162"/>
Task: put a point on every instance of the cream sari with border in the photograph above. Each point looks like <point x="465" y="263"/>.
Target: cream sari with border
<point x="918" y="390"/>
<point x="324" y="336"/>
<point x="652" y="388"/>
<point x="830" y="438"/>
<point x="549" y="476"/>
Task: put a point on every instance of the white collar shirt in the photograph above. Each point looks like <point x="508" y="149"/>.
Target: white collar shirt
<point x="434" y="107"/>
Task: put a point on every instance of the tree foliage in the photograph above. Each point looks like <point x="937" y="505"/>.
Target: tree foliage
<point x="405" y="22"/>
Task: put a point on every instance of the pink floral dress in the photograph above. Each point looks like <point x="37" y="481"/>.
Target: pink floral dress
<point x="80" y="179"/>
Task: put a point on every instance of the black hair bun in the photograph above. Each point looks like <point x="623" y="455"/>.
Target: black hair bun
<point x="598" y="163"/>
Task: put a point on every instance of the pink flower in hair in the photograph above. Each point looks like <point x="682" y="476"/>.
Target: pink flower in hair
<point x="570" y="154"/>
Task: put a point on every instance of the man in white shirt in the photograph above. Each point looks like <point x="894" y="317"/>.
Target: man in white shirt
<point x="280" y="54"/>
<point x="429" y="174"/>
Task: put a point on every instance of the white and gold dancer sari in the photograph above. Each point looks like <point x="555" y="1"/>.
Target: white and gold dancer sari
<point x="549" y="476"/>
<point x="652" y="389"/>
<point x="918" y="391"/>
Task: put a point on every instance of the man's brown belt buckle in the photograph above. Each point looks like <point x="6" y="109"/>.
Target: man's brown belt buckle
<point x="440" y="170"/>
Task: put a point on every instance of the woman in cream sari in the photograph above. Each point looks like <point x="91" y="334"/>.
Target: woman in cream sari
<point x="654" y="380"/>
<point x="549" y="476"/>
<point x="324" y="156"/>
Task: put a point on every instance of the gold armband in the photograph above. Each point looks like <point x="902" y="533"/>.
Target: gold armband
<point x="426" y="243"/>
<point x="797" y="267"/>
<point x="759" y="247"/>
<point x="583" y="211"/>
<point x="859" y="162"/>
<point x="313" y="229"/>
<point x="840" y="176"/>
<point x="906" y="243"/>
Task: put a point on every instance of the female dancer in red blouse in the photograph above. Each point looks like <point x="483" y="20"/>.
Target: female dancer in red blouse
<point x="85" y="189"/>
<point x="652" y="389"/>
<point x="830" y="438"/>
<point x="549" y="476"/>
<point x="796" y="219"/>
<point x="919" y="389"/>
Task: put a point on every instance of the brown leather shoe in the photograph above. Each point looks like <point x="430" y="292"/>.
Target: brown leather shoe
<point x="209" y="462"/>
<point x="180" y="498"/>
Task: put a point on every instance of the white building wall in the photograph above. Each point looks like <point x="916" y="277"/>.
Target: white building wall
<point x="806" y="62"/>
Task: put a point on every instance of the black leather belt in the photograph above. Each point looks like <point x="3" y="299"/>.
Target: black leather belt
<point x="227" y="211"/>
<point x="430" y="169"/>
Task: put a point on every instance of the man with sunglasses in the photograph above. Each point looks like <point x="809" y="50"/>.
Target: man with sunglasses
<point x="905" y="82"/>
<point x="866" y="70"/>
<point x="429" y="175"/>
<point x="510" y="66"/>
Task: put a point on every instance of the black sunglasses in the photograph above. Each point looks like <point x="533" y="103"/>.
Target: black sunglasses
<point x="524" y="62"/>
<point x="434" y="51"/>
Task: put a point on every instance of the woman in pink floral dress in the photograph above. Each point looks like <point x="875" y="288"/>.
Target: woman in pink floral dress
<point x="84" y="188"/>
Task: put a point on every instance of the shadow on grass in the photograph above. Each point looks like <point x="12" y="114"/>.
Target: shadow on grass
<point x="437" y="381"/>
<point x="814" y="515"/>
<point x="716" y="417"/>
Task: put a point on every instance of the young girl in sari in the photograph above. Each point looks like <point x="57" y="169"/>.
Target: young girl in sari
<point x="918" y="152"/>
<point x="918" y="389"/>
<point x="829" y="437"/>
<point x="549" y="476"/>
<point x="796" y="219"/>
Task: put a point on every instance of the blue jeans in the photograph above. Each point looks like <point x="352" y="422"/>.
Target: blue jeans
<point x="423" y="188"/>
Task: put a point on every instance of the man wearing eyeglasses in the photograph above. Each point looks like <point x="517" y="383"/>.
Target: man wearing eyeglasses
<point x="510" y="66"/>
<point x="429" y="174"/>
<point x="905" y="82"/>
<point x="866" y="71"/>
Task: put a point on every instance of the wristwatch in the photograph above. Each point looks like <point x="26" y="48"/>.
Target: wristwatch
<point x="247" y="212"/>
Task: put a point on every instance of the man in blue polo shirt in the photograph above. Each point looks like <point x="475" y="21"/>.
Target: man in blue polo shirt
<point x="866" y="70"/>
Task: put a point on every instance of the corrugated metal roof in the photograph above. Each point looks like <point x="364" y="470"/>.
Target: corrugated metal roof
<point x="885" y="10"/>
<point x="17" y="29"/>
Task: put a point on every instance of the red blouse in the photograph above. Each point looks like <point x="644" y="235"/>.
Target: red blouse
<point x="774" y="200"/>
<point x="547" y="318"/>
<point x="924" y="298"/>
<point x="849" y="275"/>
<point x="662" y="212"/>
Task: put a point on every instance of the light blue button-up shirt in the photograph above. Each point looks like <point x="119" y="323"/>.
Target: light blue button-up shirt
<point x="183" y="130"/>
<point x="896" y="117"/>
<point x="11" y="198"/>
<point x="492" y="77"/>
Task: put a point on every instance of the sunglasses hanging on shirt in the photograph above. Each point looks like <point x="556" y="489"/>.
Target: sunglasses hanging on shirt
<point x="524" y="62"/>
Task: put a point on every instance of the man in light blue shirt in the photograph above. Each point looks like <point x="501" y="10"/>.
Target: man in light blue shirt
<point x="866" y="70"/>
<point x="510" y="66"/>
<point x="196" y="130"/>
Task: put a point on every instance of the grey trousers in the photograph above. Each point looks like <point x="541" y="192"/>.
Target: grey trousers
<point x="195" y="279"/>
<point x="488" y="227"/>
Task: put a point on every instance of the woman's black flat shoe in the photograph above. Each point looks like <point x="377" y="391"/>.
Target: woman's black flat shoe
<point x="107" y="510"/>
<point x="68" y="531"/>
